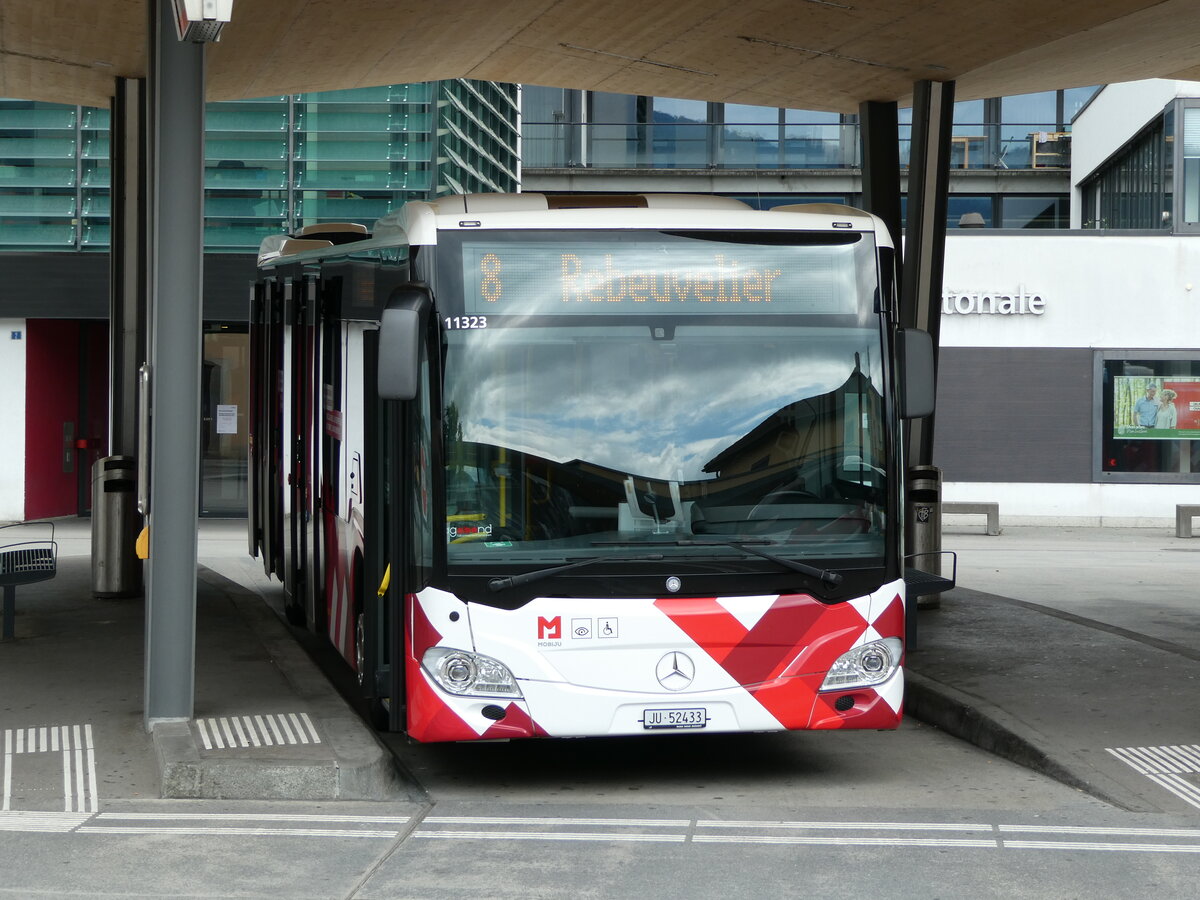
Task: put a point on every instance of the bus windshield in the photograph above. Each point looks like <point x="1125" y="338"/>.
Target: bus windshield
<point x="577" y="427"/>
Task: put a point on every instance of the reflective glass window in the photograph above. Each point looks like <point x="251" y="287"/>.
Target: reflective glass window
<point x="1034" y="212"/>
<point x="1150" y="417"/>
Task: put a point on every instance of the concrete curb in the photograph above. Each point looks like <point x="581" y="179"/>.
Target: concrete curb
<point x="356" y="767"/>
<point x="993" y="729"/>
<point x="185" y="775"/>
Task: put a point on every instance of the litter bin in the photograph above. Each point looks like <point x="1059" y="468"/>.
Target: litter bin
<point x="116" y="570"/>
<point x="923" y="525"/>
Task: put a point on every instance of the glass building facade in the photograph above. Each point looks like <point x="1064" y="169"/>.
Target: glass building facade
<point x="567" y="130"/>
<point x="271" y="164"/>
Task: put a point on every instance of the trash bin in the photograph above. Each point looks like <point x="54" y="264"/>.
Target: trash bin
<point x="116" y="570"/>
<point x="923" y="525"/>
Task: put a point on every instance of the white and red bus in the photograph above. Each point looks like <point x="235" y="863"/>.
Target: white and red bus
<point x="568" y="466"/>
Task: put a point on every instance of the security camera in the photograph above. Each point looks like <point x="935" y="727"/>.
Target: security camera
<point x="200" y="21"/>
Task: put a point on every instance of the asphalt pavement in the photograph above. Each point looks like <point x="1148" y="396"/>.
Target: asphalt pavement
<point x="1073" y="651"/>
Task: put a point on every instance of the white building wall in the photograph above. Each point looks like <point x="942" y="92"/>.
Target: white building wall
<point x="12" y="435"/>
<point x="1104" y="292"/>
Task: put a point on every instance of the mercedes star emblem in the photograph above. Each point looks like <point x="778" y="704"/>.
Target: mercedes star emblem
<point x="675" y="671"/>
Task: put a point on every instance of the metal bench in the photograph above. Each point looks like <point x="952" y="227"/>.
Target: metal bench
<point x="24" y="562"/>
<point x="1183" y="518"/>
<point x="991" y="510"/>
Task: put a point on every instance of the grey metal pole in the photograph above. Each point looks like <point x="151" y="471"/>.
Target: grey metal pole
<point x="879" y="127"/>
<point x="925" y="236"/>
<point x="177" y="160"/>
<point x="127" y="263"/>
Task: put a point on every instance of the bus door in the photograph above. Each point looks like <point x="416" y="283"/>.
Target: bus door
<point x="256" y="428"/>
<point x="272" y="486"/>
<point x="396" y="483"/>
<point x="329" y="398"/>
<point x="264" y="502"/>
<point x="376" y="528"/>
<point x="401" y="456"/>
<point x="314" y="584"/>
<point x="297" y="434"/>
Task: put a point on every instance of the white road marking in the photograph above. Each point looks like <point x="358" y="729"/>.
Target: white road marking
<point x="287" y="729"/>
<point x="842" y="840"/>
<point x="77" y="748"/>
<point x="238" y="831"/>
<point x="249" y="817"/>
<point x="8" y="755"/>
<point x="204" y="738"/>
<point x="1193" y="833"/>
<point x="241" y="735"/>
<point x="91" y="769"/>
<point x="609" y="830"/>
<point x="551" y="836"/>
<point x="78" y="761"/>
<point x="299" y="729"/>
<point x="256" y="731"/>
<point x="1119" y="848"/>
<point x="872" y="826"/>
<point x="68" y="796"/>
<point x="18" y="820"/>
<point x="547" y="820"/>
<point x="1184" y="790"/>
<point x="312" y="729"/>
<point x="250" y="730"/>
<point x="1164" y="765"/>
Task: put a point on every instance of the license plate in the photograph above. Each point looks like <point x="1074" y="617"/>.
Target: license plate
<point x="675" y="718"/>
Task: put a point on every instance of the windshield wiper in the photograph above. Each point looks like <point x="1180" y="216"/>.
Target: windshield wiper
<point x="833" y="579"/>
<point x="503" y="583"/>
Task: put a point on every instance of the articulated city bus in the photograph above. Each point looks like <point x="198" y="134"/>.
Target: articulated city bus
<point x="569" y="466"/>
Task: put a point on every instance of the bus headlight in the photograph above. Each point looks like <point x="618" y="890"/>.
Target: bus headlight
<point x="469" y="674"/>
<point x="870" y="664"/>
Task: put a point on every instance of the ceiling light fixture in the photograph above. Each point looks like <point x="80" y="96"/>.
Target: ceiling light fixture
<point x="636" y="59"/>
<point x="829" y="53"/>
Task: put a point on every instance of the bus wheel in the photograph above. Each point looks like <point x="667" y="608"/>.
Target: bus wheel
<point x="294" y="612"/>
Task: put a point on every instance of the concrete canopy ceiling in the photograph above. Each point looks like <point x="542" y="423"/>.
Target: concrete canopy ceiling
<point x="814" y="54"/>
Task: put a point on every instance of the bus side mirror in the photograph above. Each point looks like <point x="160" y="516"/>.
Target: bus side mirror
<point x="400" y="333"/>
<point x="918" y="385"/>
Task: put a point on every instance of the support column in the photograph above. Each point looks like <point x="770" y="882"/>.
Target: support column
<point x="925" y="236"/>
<point x="177" y="166"/>
<point x="127" y="263"/>
<point x="879" y="136"/>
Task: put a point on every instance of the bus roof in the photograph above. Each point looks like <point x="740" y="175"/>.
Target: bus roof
<point x="419" y="221"/>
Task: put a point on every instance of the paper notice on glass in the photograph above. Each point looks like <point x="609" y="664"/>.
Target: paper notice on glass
<point x="227" y="419"/>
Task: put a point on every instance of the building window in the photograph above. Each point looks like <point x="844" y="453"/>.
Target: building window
<point x="1191" y="165"/>
<point x="1149" y="416"/>
<point x="1130" y="191"/>
<point x="1034" y="211"/>
<point x="750" y="137"/>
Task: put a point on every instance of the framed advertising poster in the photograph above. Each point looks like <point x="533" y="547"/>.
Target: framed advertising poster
<point x="1152" y="407"/>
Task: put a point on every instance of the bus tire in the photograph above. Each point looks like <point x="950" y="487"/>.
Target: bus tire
<point x="294" y="613"/>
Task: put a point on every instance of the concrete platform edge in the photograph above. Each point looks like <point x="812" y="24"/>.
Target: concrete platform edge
<point x="992" y="729"/>
<point x="358" y="768"/>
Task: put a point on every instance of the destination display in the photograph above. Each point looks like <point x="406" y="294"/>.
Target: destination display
<point x="658" y="278"/>
<point x="1156" y="407"/>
